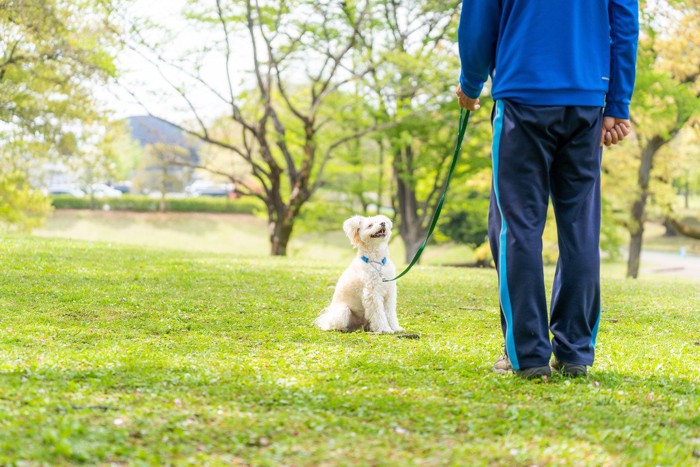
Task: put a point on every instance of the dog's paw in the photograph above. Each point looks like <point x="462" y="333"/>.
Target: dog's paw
<point x="382" y="331"/>
<point x="398" y="329"/>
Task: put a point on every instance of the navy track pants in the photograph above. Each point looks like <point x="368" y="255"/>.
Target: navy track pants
<point x="541" y="152"/>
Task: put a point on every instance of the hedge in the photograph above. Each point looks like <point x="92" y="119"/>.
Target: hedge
<point x="138" y="203"/>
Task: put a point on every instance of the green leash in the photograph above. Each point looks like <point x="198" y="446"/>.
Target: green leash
<point x="463" y="120"/>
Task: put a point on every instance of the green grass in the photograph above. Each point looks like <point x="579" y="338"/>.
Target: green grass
<point x="128" y="355"/>
<point x="243" y="235"/>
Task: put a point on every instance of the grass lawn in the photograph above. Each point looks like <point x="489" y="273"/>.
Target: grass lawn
<point x="131" y="355"/>
<point x="243" y="235"/>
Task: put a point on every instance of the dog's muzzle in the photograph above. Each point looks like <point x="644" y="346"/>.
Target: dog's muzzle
<point x="379" y="233"/>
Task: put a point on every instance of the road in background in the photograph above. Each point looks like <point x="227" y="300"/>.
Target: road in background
<point x="671" y="264"/>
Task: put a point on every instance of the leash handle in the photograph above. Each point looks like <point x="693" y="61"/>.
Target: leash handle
<point x="463" y="120"/>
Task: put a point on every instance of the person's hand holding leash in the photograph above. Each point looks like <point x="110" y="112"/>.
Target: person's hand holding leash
<point x="467" y="102"/>
<point x="614" y="130"/>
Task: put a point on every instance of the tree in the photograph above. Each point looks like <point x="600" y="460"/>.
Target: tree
<point x="51" y="54"/>
<point x="285" y="131"/>
<point x="665" y="99"/>
<point x="413" y="79"/>
<point x="158" y="172"/>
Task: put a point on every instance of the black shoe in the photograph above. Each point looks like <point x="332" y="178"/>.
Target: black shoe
<point x="534" y="372"/>
<point x="569" y="369"/>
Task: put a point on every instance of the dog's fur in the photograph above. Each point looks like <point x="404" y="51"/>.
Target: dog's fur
<point x="361" y="299"/>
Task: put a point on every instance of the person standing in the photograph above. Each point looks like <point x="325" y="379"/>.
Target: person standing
<point x="562" y="78"/>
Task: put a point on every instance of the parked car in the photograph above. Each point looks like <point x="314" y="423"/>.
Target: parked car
<point x="102" y="190"/>
<point x="66" y="190"/>
<point x="124" y="187"/>
<point x="207" y="188"/>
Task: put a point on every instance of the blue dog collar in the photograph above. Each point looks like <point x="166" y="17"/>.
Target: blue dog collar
<point x="367" y="260"/>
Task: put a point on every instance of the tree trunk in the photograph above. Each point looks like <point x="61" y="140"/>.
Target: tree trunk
<point x="639" y="206"/>
<point x="280" y="233"/>
<point x="670" y="230"/>
<point x="410" y="229"/>
<point x="162" y="206"/>
<point x="637" y="233"/>
<point x="281" y="224"/>
<point x="635" y="253"/>
<point x="380" y="191"/>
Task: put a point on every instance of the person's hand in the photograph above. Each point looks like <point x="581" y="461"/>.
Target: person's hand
<point x="614" y="130"/>
<point x="467" y="102"/>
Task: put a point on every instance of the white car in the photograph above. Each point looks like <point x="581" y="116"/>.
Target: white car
<point x="66" y="190"/>
<point x="101" y="190"/>
<point x="207" y="188"/>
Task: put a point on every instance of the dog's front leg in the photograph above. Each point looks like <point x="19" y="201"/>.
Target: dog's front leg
<point x="390" y="308"/>
<point x="374" y="312"/>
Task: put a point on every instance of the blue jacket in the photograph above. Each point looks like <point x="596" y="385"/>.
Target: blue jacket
<point x="551" y="52"/>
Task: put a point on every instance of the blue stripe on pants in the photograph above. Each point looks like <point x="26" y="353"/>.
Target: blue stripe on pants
<point x="503" y="293"/>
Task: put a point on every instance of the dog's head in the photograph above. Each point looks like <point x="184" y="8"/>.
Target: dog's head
<point x="367" y="230"/>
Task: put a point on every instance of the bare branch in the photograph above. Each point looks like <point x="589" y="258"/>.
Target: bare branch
<point x="256" y="59"/>
<point x="224" y="27"/>
<point x="337" y="59"/>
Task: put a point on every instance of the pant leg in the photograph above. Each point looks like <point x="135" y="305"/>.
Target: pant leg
<point x="494" y="229"/>
<point x="575" y="188"/>
<point x="522" y="152"/>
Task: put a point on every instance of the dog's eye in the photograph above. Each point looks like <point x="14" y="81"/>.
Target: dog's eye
<point x="370" y="226"/>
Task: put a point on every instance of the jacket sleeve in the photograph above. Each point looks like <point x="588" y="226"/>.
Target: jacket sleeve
<point x="624" y="33"/>
<point x="477" y="36"/>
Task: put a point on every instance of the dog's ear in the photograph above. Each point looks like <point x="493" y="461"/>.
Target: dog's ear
<point x="352" y="229"/>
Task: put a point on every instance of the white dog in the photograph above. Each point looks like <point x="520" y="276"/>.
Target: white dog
<point x="361" y="299"/>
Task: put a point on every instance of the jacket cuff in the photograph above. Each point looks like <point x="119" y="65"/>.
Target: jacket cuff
<point x="617" y="110"/>
<point x="471" y="90"/>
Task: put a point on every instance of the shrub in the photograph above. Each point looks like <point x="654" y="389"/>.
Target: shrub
<point x="466" y="218"/>
<point x="21" y="207"/>
<point x="139" y="203"/>
<point x="69" y="202"/>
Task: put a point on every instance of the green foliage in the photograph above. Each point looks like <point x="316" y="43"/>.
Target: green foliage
<point x="661" y="104"/>
<point x="159" y="170"/>
<point x="637" y="176"/>
<point x="467" y="223"/>
<point x="483" y="256"/>
<point x="611" y="229"/>
<point x="114" y="355"/>
<point x="138" y="203"/>
<point x="120" y="147"/>
<point x="215" y="205"/>
<point x="50" y="53"/>
<point x="21" y="207"/>
<point x="326" y="213"/>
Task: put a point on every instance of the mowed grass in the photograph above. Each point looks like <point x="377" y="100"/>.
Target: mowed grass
<point x="132" y="355"/>
<point x="240" y="234"/>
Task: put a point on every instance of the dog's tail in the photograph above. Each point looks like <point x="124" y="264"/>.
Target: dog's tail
<point x="335" y="317"/>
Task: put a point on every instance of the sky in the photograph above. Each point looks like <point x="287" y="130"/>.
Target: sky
<point x="141" y="82"/>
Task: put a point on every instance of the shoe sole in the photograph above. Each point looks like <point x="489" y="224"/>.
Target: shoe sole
<point x="574" y="372"/>
<point x="536" y="372"/>
<point x="570" y="370"/>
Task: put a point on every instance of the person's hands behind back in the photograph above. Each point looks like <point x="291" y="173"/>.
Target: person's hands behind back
<point x="614" y="130"/>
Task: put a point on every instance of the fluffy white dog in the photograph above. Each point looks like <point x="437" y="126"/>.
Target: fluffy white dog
<point x="361" y="299"/>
